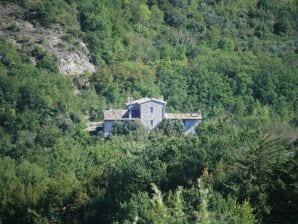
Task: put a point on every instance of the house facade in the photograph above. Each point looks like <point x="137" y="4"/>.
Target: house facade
<point x="150" y="112"/>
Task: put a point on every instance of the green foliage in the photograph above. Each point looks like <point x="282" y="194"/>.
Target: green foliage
<point x="117" y="82"/>
<point x="49" y="11"/>
<point x="235" y="61"/>
<point x="249" y="175"/>
<point x="44" y="60"/>
<point x="171" y="127"/>
<point x="175" y="208"/>
<point x="128" y="127"/>
<point x="36" y="105"/>
<point x="282" y="196"/>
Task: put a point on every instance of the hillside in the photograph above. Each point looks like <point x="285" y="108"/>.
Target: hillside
<point x="71" y="53"/>
<point x="64" y="61"/>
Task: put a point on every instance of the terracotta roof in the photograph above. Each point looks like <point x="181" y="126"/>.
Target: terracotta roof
<point x="183" y="116"/>
<point x="144" y="100"/>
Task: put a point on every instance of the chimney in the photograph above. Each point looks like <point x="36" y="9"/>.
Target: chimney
<point x="161" y="98"/>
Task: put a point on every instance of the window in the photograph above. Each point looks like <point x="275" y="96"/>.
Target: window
<point x="151" y="110"/>
<point x="151" y="122"/>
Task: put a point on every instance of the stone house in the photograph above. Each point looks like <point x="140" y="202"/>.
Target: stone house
<point x="150" y="111"/>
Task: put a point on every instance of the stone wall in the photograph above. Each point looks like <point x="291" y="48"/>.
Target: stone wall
<point x="147" y="116"/>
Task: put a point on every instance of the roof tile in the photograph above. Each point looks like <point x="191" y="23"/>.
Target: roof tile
<point x="183" y="116"/>
<point x="144" y="100"/>
<point x="114" y="114"/>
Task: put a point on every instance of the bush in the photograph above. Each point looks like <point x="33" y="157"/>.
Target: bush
<point x="171" y="127"/>
<point x="127" y="127"/>
<point x="49" y="63"/>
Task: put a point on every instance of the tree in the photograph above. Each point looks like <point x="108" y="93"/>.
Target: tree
<point x="173" y="208"/>
<point x="171" y="127"/>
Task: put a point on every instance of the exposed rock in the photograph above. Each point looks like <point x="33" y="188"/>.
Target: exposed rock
<point x="28" y="27"/>
<point x="73" y="58"/>
<point x="75" y="63"/>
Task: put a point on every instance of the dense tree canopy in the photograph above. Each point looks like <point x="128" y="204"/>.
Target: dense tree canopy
<point x="235" y="61"/>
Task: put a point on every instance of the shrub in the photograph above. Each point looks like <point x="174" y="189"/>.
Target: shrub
<point x="171" y="127"/>
<point x="126" y="127"/>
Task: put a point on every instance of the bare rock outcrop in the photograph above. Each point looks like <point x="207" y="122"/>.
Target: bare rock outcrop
<point x="73" y="56"/>
<point x="75" y="63"/>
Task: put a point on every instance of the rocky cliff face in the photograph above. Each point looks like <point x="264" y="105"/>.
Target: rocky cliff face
<point x="75" y="63"/>
<point x="72" y="56"/>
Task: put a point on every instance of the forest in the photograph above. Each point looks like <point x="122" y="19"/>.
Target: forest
<point x="235" y="61"/>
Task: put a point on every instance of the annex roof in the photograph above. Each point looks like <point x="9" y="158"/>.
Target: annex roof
<point x="144" y="100"/>
<point x="183" y="116"/>
<point x="115" y="114"/>
<point x="92" y="126"/>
